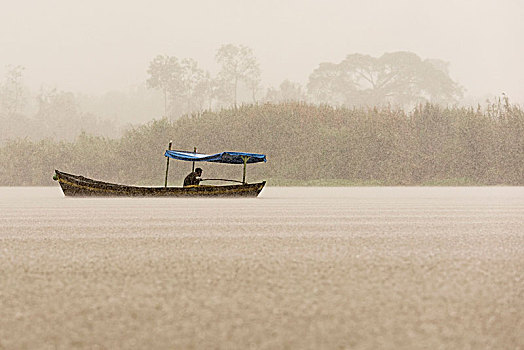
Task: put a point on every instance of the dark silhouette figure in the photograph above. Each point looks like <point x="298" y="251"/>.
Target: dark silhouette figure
<point x="193" y="178"/>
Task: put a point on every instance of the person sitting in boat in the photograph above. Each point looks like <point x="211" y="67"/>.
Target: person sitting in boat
<point x="193" y="179"/>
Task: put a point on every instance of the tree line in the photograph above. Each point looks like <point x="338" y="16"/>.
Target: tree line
<point x="177" y="86"/>
<point x="429" y="144"/>
<point x="398" y="78"/>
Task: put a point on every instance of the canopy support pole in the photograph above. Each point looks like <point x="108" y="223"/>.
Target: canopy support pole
<point x="245" y="159"/>
<point x="194" y="151"/>
<point x="167" y="166"/>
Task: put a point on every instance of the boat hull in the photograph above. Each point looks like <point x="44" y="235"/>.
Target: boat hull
<point x="79" y="186"/>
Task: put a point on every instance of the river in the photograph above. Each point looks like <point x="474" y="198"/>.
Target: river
<point x="297" y="268"/>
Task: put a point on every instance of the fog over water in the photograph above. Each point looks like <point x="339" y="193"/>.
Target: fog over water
<point x="98" y="46"/>
<point x="300" y="268"/>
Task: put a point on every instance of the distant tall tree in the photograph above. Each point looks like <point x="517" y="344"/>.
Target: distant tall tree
<point x="182" y="82"/>
<point x="329" y="84"/>
<point x="12" y="91"/>
<point x="193" y="84"/>
<point x="238" y="64"/>
<point x="164" y="73"/>
<point x="398" y="77"/>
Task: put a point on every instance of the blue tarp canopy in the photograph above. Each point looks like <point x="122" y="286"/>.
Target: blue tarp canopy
<point x="224" y="157"/>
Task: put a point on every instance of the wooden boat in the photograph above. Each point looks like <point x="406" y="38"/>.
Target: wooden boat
<point x="80" y="186"/>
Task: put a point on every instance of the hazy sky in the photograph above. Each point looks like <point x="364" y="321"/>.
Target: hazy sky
<point x="96" y="46"/>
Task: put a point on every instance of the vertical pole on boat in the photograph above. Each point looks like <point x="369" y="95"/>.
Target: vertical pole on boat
<point x="245" y="166"/>
<point x="167" y="166"/>
<point x="194" y="151"/>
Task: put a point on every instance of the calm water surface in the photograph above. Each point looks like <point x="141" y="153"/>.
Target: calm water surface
<point x="314" y="268"/>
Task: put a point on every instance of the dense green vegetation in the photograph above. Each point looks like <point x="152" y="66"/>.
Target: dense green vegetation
<point x="305" y="144"/>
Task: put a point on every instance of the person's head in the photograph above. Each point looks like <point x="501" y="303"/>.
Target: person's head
<point x="198" y="171"/>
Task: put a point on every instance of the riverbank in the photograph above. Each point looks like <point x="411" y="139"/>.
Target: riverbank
<point x="429" y="145"/>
